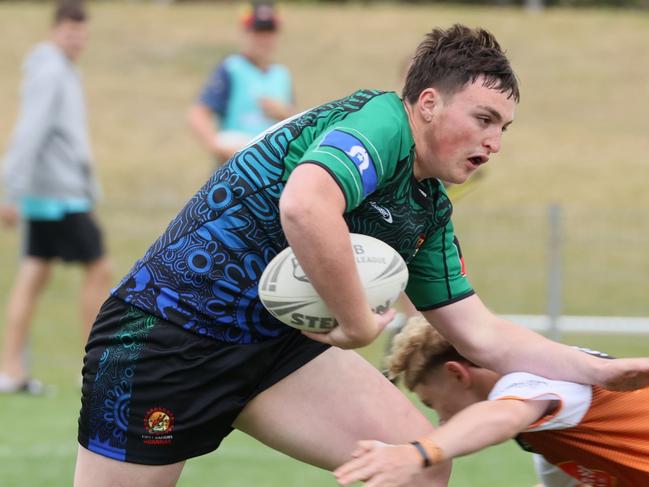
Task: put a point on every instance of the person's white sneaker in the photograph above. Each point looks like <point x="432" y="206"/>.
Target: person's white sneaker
<point x="9" y="385"/>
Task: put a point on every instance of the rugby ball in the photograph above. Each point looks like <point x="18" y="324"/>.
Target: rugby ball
<point x="287" y="294"/>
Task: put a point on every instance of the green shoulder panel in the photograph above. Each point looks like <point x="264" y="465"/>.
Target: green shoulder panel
<point x="361" y="151"/>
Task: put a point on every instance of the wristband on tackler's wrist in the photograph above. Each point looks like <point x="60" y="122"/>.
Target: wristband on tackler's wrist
<point x="425" y="459"/>
<point x="431" y="454"/>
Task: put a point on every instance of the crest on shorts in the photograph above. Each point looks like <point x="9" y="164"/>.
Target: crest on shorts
<point x="158" y="421"/>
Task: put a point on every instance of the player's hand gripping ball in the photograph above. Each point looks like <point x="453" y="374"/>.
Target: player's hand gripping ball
<point x="288" y="295"/>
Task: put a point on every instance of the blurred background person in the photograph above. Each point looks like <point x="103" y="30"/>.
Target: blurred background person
<point x="247" y="92"/>
<point x="50" y="186"/>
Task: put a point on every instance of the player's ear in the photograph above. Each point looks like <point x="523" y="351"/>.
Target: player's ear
<point x="426" y="103"/>
<point x="459" y="373"/>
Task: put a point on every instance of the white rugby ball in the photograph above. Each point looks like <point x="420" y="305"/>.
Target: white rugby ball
<point x="288" y="295"/>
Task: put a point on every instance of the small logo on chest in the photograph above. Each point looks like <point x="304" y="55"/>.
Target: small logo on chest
<point x="384" y="212"/>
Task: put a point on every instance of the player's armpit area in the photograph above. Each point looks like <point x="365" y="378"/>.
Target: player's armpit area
<point x="538" y="410"/>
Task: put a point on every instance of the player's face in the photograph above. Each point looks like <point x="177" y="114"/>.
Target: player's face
<point x="460" y="132"/>
<point x="446" y="395"/>
<point x="71" y="37"/>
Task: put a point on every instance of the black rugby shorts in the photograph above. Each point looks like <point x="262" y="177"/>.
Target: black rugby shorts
<point x="155" y="393"/>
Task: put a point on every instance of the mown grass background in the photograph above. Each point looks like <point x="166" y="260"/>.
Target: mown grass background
<point x="580" y="140"/>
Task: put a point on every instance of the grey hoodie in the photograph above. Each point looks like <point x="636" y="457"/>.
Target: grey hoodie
<point x="49" y="153"/>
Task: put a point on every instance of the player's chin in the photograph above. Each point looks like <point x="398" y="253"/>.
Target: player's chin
<point x="459" y="178"/>
<point x="466" y="173"/>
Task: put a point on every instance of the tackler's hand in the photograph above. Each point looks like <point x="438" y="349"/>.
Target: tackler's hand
<point x="624" y="374"/>
<point x="380" y="465"/>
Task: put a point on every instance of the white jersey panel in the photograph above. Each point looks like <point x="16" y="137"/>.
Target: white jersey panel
<point x="575" y="399"/>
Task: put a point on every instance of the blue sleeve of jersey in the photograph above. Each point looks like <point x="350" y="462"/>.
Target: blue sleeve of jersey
<point x="217" y="91"/>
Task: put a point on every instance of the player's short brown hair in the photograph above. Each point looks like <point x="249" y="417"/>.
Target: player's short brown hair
<point x="449" y="59"/>
<point x="418" y="349"/>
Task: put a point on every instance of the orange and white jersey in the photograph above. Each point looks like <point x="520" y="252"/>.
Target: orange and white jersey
<point x="552" y="476"/>
<point x="597" y="436"/>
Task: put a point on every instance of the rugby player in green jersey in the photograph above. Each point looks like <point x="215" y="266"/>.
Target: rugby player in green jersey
<point x="183" y="351"/>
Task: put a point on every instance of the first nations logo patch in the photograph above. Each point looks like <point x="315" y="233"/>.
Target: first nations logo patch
<point x="159" y="423"/>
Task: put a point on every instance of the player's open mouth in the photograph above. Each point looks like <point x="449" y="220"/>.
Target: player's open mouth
<point x="478" y="160"/>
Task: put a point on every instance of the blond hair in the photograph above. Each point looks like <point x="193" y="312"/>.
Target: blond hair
<point x="416" y="350"/>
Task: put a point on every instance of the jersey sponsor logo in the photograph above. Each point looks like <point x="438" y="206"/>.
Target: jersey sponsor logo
<point x="593" y="478"/>
<point x="527" y="384"/>
<point x="158" y="422"/>
<point x="357" y="153"/>
<point x="384" y="212"/>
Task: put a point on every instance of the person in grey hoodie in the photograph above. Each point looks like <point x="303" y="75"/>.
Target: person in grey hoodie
<point x="50" y="186"/>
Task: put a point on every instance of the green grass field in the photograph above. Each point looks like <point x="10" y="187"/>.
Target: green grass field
<point x="579" y="140"/>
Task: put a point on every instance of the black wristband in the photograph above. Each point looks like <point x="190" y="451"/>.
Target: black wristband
<point x="424" y="456"/>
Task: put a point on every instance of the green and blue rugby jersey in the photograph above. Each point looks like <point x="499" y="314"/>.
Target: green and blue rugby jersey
<point x="370" y="155"/>
<point x="203" y="272"/>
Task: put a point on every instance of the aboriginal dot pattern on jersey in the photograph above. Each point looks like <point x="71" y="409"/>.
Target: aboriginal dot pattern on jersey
<point x="202" y="273"/>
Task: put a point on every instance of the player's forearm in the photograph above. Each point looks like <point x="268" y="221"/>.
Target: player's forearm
<point x="319" y="238"/>
<point x="481" y="425"/>
<point x="321" y="243"/>
<point x="503" y="346"/>
<point x="518" y="348"/>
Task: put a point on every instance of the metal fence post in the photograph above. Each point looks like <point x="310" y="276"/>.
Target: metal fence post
<point x="554" y="271"/>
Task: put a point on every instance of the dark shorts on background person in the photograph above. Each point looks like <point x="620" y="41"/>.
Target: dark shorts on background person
<point x="155" y="393"/>
<point x="75" y="238"/>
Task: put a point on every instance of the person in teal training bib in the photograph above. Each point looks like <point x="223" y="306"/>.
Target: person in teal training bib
<point x="183" y="351"/>
<point x="247" y="92"/>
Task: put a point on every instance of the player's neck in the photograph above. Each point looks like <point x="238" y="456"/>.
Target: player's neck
<point x="484" y="381"/>
<point x="414" y="130"/>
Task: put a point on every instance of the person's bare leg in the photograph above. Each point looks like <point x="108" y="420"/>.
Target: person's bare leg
<point x="318" y="413"/>
<point x="93" y="470"/>
<point x="33" y="274"/>
<point x="94" y="291"/>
